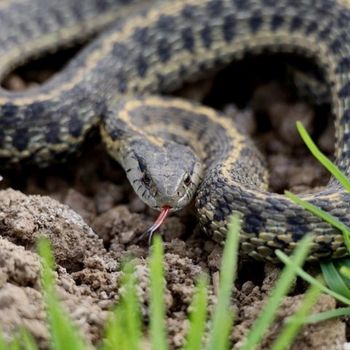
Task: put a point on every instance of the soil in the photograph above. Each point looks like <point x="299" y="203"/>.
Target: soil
<point x="91" y="215"/>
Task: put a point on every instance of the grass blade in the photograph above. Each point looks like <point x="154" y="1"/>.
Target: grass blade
<point x="283" y="284"/>
<point x="27" y="340"/>
<point x="345" y="272"/>
<point x="323" y="215"/>
<point x="124" y="329"/>
<point x="333" y="279"/>
<point x="3" y="343"/>
<point x="198" y="316"/>
<point x="326" y="162"/>
<point x="14" y="345"/>
<point x="132" y="309"/>
<point x="308" y="278"/>
<point x="319" y="212"/>
<point x="223" y="315"/>
<point x="295" y="322"/>
<point x="157" y="307"/>
<point x="64" y="336"/>
<point x="343" y="266"/>
<point x="114" y="335"/>
<point x="326" y="315"/>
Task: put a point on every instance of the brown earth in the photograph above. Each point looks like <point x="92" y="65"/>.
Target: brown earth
<point x="91" y="215"/>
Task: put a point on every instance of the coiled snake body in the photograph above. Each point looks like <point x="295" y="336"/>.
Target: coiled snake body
<point x="172" y="149"/>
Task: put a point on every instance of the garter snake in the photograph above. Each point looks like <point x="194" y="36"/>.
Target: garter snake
<point x="171" y="149"/>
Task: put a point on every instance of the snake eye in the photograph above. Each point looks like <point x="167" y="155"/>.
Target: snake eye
<point x="146" y="180"/>
<point x="187" y="180"/>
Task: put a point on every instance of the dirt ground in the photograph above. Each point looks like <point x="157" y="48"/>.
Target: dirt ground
<point x="91" y="215"/>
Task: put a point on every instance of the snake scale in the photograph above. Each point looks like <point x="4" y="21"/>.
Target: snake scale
<point x="173" y="149"/>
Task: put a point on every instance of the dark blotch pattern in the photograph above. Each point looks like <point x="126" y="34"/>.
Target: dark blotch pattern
<point x="58" y="16"/>
<point x="75" y="126"/>
<point x="42" y="24"/>
<point x="276" y="22"/>
<point x="116" y="128"/>
<point x="34" y="111"/>
<point x="188" y="12"/>
<point x="344" y="91"/>
<point x="346" y="138"/>
<point x="275" y="204"/>
<point x="253" y="222"/>
<point x="214" y="8"/>
<point x="100" y="107"/>
<point x="269" y="3"/>
<point x="296" y="23"/>
<point x="77" y="11"/>
<point x="101" y="5"/>
<point x="297" y="227"/>
<point x="20" y="139"/>
<point x="116" y="134"/>
<point x="206" y="37"/>
<point x="166" y="24"/>
<point x="229" y="28"/>
<point x="164" y="50"/>
<point x="142" y="36"/>
<point x="25" y="30"/>
<point x="53" y="132"/>
<point x="345" y="117"/>
<point x="344" y="18"/>
<point x="141" y="66"/>
<point x="324" y="34"/>
<point x="121" y="82"/>
<point x="241" y="4"/>
<point x="311" y="28"/>
<point x="186" y="123"/>
<point x="336" y="45"/>
<point x="219" y="215"/>
<point x="8" y="113"/>
<point x="223" y="209"/>
<point x="255" y="22"/>
<point x="188" y="39"/>
<point x="2" y="137"/>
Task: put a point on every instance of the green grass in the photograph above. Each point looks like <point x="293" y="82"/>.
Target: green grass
<point x="157" y="307"/>
<point x="125" y="329"/>
<point x="326" y="162"/>
<point x="198" y="316"/>
<point x="281" y="289"/>
<point x="291" y="329"/>
<point x="223" y="314"/>
<point x="336" y="274"/>
<point x="64" y="335"/>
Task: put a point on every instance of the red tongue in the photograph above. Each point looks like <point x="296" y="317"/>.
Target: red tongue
<point x="162" y="216"/>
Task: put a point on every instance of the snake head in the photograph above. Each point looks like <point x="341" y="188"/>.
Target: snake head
<point x="162" y="173"/>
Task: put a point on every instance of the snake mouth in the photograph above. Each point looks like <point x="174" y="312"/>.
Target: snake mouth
<point x="159" y="221"/>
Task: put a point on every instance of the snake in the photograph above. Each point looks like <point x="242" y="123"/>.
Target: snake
<point x="175" y="151"/>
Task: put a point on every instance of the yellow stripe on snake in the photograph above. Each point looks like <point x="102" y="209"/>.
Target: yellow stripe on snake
<point x="173" y="150"/>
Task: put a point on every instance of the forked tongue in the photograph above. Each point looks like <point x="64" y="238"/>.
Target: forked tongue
<point x="160" y="219"/>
